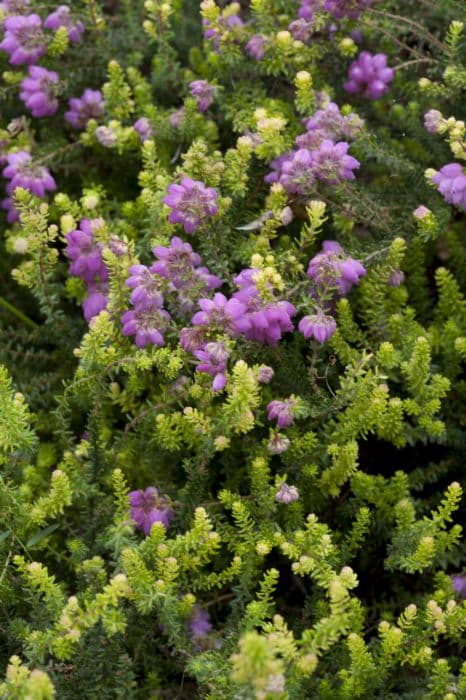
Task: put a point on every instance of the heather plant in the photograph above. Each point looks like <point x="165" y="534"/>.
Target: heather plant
<point x="232" y="345"/>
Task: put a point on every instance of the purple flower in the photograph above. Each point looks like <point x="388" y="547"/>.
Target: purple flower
<point x="421" y="212"/>
<point x="265" y="320"/>
<point x="22" y="172"/>
<point x="61" y="17"/>
<point x="458" y="582"/>
<point x="23" y="40"/>
<point x="226" y="315"/>
<point x="199" y="624"/>
<point x="332" y="164"/>
<point x="346" y="8"/>
<point x="223" y="27"/>
<point x="38" y="91"/>
<point x="300" y="29"/>
<point x="143" y="127"/>
<point x="179" y="264"/>
<point x="14" y="7"/>
<point x="147" y="325"/>
<point x="146" y="292"/>
<point x="95" y="301"/>
<point x="331" y="268"/>
<point x="396" y="278"/>
<point x="85" y="253"/>
<point x="213" y="360"/>
<point x="147" y="508"/>
<point x="432" y="119"/>
<point x="203" y="92"/>
<point x="282" y="412"/>
<point x="175" y="119"/>
<point x="256" y="47"/>
<point x="191" y="203"/>
<point x="451" y="183"/>
<point x="319" y="326"/>
<point x="265" y="374"/>
<point x="369" y="75"/>
<point x="330" y="122"/>
<point x="287" y="494"/>
<point x="297" y="172"/>
<point x="276" y="166"/>
<point x="89" y="106"/>
<point x="192" y="339"/>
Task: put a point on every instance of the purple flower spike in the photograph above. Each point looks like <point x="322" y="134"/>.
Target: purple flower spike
<point x="227" y="315"/>
<point x="256" y="47"/>
<point x="147" y="325"/>
<point x="319" y="326"/>
<point x="369" y="75"/>
<point x="282" y="412"/>
<point x="204" y="92"/>
<point x="287" y="494"/>
<point x="451" y="183"/>
<point x="297" y="172"/>
<point x="459" y="584"/>
<point x="147" y="508"/>
<point x="89" y="106"/>
<point x="332" y="164"/>
<point x="191" y="203"/>
<point x="199" y="624"/>
<point x="61" y="17"/>
<point x="213" y="360"/>
<point x="22" y="172"/>
<point x="331" y="268"/>
<point x="146" y="292"/>
<point x="86" y="254"/>
<point x="144" y="129"/>
<point x="346" y="8"/>
<point x="38" y="91"/>
<point x="23" y="40"/>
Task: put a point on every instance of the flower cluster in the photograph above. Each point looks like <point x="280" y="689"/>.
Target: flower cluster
<point x="203" y="92"/>
<point x="38" y="91"/>
<point x="21" y="171"/>
<point x="329" y="123"/>
<point x="89" y="106"/>
<point x="227" y="23"/>
<point x="346" y="8"/>
<point x="24" y="39"/>
<point x="191" y="203"/>
<point x="369" y="75"/>
<point x="147" y="508"/>
<point x="451" y="183"/>
<point x="147" y="321"/>
<point x="88" y="264"/>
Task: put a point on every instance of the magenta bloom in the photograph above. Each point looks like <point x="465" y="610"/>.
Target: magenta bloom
<point x="199" y="624"/>
<point x="143" y="127"/>
<point x="330" y="122"/>
<point x="22" y="172"/>
<point x="297" y="172"/>
<point x="85" y="253"/>
<point x="146" y="292"/>
<point x="14" y="7"/>
<point x="147" y="325"/>
<point x="276" y="166"/>
<point x="451" y="183"/>
<point x="95" y="301"/>
<point x="287" y="494"/>
<point x="213" y="360"/>
<point x="256" y="47"/>
<point x="265" y="321"/>
<point x="191" y="203"/>
<point x="331" y="268"/>
<point x="332" y="164"/>
<point x="204" y="92"/>
<point x="346" y="8"/>
<point x="38" y="91"/>
<point x="369" y="75"/>
<point x="89" y="106"/>
<point x="61" y="17"/>
<point x="459" y="584"/>
<point x="23" y="40"/>
<point x="319" y="326"/>
<point x="147" y="508"/>
<point x="282" y="412"/>
<point x="300" y="29"/>
<point x="180" y="264"/>
<point x="226" y="315"/>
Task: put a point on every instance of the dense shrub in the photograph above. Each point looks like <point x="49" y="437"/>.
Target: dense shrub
<point x="232" y="333"/>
